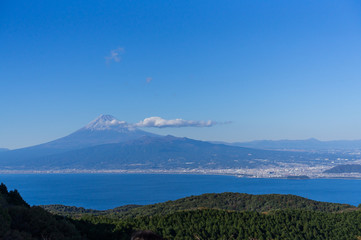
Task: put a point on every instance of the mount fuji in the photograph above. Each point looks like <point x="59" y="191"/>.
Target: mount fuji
<point x="105" y="129"/>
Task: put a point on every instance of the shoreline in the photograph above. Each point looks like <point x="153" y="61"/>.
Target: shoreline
<point x="215" y="172"/>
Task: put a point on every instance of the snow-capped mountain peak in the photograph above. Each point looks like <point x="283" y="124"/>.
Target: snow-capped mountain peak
<point x="106" y="122"/>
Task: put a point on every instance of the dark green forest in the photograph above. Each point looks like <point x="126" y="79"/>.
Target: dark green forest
<point x="20" y="221"/>
<point x="208" y="216"/>
<point x="225" y="201"/>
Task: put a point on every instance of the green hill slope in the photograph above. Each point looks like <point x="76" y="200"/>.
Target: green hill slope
<point x="224" y="201"/>
<point x="20" y="221"/>
<point x="214" y="224"/>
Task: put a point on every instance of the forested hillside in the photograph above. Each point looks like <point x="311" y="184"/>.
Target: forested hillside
<point x="20" y="221"/>
<point x="209" y="216"/>
<point x="220" y="224"/>
<point x="224" y="201"/>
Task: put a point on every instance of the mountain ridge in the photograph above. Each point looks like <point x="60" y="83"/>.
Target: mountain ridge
<point x="311" y="144"/>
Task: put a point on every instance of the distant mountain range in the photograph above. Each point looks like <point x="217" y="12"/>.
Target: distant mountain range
<point x="311" y="144"/>
<point x="108" y="144"/>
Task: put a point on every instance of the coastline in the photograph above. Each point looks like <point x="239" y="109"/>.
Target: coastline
<point x="239" y="173"/>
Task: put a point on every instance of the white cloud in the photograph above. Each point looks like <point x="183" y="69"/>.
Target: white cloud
<point x="163" y="123"/>
<point x="115" y="55"/>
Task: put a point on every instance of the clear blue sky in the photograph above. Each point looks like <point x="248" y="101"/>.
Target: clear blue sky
<point x="275" y="69"/>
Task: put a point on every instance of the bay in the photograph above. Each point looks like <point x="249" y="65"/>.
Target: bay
<point x="105" y="191"/>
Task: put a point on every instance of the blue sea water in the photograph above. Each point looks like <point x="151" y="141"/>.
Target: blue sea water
<point x="105" y="191"/>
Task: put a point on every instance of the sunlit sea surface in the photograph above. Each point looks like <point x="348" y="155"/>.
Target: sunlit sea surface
<point x="105" y="191"/>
